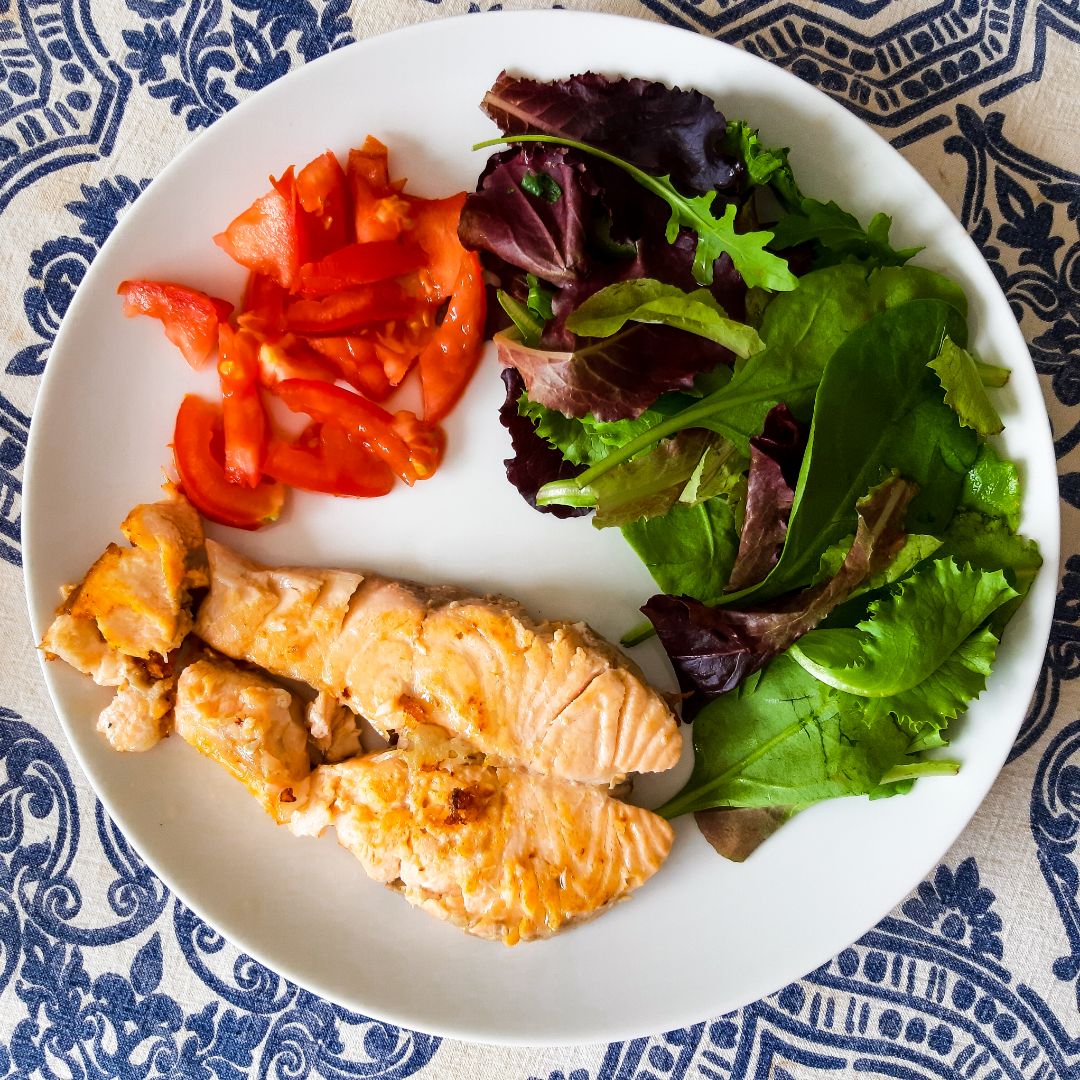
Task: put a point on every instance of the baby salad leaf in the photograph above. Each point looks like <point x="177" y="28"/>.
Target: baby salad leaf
<point x="715" y="235"/>
<point x="690" y="549"/>
<point x="907" y="636"/>
<point x="612" y="378"/>
<point x="762" y="163"/>
<point x="837" y="235"/>
<point x="534" y="462"/>
<point x="964" y="390"/>
<point x="646" y="300"/>
<point x="712" y="649"/>
<point x="871" y="387"/>
<point x="785" y="741"/>
<point x="658" y="128"/>
<point x="992" y="487"/>
<point x="688" y="468"/>
<point x="917" y="548"/>
<point x="775" y="458"/>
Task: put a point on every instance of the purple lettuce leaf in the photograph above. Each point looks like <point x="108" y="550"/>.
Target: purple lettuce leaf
<point x="664" y="131"/>
<point x="714" y="648"/>
<point x="535" y="461"/>
<point x="614" y="378"/>
<point x="775" y="458"/>
<point x="533" y="233"/>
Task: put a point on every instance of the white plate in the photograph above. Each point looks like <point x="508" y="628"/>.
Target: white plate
<point x="704" y="936"/>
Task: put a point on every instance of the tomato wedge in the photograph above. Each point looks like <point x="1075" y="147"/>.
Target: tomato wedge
<point x="356" y="361"/>
<point x="242" y="409"/>
<point x="450" y="358"/>
<point x="372" y="425"/>
<point x="349" y="308"/>
<point x="335" y="464"/>
<point x="360" y="264"/>
<point x="379" y="211"/>
<point x="323" y="192"/>
<point x="197" y="441"/>
<point x="435" y="228"/>
<point x="291" y="358"/>
<point x="262" y="310"/>
<point x="190" y="317"/>
<point x="267" y="237"/>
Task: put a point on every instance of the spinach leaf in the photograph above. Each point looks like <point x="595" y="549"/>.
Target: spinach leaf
<point x="690" y="549"/>
<point x="872" y="386"/>
<point x="786" y="741"/>
<point x="649" y="301"/>
<point x="716" y="236"/>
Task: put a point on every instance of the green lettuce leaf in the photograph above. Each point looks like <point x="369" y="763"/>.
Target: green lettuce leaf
<point x="649" y="301"/>
<point x="992" y="487"/>
<point x="909" y="637"/>
<point x="837" y="235"/>
<point x="964" y="390"/>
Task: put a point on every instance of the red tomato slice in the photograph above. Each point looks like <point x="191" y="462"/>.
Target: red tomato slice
<point x="435" y="228"/>
<point x="373" y="426"/>
<point x="450" y="358"/>
<point x="356" y="361"/>
<point x="263" y="307"/>
<point x="323" y="191"/>
<point x="291" y="358"/>
<point x="360" y="264"/>
<point x="335" y="465"/>
<point x="379" y="212"/>
<point x="242" y="409"/>
<point x="268" y="237"/>
<point x="197" y="450"/>
<point x="190" y="317"/>
<point x="349" y="309"/>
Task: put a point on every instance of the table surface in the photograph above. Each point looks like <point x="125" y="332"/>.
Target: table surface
<point x="104" y="974"/>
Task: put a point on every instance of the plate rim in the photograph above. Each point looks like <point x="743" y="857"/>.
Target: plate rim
<point x="612" y="1030"/>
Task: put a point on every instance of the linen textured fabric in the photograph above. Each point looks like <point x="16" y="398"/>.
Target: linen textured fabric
<point x="104" y="974"/>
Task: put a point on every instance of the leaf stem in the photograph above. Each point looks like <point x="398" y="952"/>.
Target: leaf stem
<point x="916" y="769"/>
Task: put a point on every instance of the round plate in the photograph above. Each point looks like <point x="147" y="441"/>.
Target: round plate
<point x="705" y="935"/>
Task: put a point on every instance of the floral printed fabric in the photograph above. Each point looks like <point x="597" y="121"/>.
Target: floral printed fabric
<point x="103" y="974"/>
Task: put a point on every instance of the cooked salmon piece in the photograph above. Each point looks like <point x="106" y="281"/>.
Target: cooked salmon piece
<point x="495" y="850"/>
<point x="550" y="696"/>
<point x="251" y="726"/>
<point x="132" y="610"/>
<point x="333" y="729"/>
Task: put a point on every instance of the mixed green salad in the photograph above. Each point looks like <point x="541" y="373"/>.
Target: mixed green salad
<point x="781" y="415"/>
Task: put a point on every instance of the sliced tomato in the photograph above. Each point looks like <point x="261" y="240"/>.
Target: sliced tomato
<point x="292" y="358"/>
<point x="426" y="442"/>
<point x="360" y="264"/>
<point x="379" y="211"/>
<point x="242" y="409"/>
<point x="263" y="307"/>
<point x="363" y="419"/>
<point x="450" y="357"/>
<point x="198" y="450"/>
<point x="349" y="309"/>
<point x="355" y="360"/>
<point x="434" y="226"/>
<point x="398" y="344"/>
<point x="268" y="236"/>
<point x="323" y="191"/>
<point x="333" y="463"/>
<point x="190" y="317"/>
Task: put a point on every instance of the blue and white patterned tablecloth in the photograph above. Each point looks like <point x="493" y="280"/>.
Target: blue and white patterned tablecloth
<point x="104" y="975"/>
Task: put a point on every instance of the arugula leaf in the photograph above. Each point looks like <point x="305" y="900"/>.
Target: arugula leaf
<point x="785" y="741"/>
<point x="992" y="487"/>
<point x="690" y="549"/>
<point x="871" y="387"/>
<point x="649" y="301"/>
<point x="964" y="390"/>
<point x="909" y="635"/>
<point x="837" y="235"/>
<point x="716" y="235"/>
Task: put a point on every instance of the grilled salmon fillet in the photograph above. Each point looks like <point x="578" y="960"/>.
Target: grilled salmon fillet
<point x="251" y="726"/>
<point x="129" y="613"/>
<point x="495" y="850"/>
<point x="549" y="696"/>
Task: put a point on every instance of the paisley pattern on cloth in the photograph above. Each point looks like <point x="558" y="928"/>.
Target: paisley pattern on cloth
<point x="103" y="974"/>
